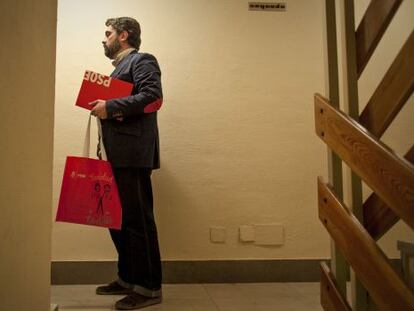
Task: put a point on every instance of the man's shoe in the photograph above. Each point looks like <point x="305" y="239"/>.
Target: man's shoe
<point x="136" y="301"/>
<point x="113" y="288"/>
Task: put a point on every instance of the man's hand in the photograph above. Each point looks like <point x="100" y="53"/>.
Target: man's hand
<point x="99" y="109"/>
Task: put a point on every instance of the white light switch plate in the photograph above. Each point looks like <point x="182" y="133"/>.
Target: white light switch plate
<point x="246" y="233"/>
<point x="218" y="234"/>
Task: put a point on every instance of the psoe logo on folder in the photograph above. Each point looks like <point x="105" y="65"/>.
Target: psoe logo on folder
<point x="97" y="78"/>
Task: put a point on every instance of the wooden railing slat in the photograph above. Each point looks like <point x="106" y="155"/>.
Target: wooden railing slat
<point x="392" y="93"/>
<point x="368" y="261"/>
<point x="378" y="217"/>
<point x="331" y="299"/>
<point x="389" y="175"/>
<point x="371" y="29"/>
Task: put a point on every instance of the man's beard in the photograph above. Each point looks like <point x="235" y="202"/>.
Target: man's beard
<point x="112" y="50"/>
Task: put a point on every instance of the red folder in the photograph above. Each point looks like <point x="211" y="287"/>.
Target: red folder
<point x="97" y="86"/>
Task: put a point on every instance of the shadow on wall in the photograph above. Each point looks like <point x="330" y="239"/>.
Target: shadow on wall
<point x="172" y="204"/>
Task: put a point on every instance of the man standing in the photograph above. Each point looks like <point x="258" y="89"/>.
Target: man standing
<point x="130" y="137"/>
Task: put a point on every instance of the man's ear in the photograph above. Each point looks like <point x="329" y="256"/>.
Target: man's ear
<point x="123" y="36"/>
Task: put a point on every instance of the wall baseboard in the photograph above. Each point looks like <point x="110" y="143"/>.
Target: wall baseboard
<point x="208" y="271"/>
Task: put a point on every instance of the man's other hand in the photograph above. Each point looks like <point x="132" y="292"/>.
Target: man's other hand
<point x="99" y="109"/>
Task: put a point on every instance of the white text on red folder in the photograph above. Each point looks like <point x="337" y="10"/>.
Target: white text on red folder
<point x="97" y="78"/>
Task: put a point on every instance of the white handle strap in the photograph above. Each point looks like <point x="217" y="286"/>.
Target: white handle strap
<point x="87" y="142"/>
<point x="101" y="145"/>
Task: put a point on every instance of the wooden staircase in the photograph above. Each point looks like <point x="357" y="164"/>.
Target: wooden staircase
<point x="354" y="138"/>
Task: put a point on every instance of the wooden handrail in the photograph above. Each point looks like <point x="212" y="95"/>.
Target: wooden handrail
<point x="370" y="264"/>
<point x="378" y="217"/>
<point x="331" y="299"/>
<point x="392" y="93"/>
<point x="371" y="29"/>
<point x="389" y="175"/>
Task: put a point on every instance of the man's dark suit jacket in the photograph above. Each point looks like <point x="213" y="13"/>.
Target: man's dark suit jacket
<point x="130" y="134"/>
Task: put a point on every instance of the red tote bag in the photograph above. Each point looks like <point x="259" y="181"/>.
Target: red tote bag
<point x="89" y="194"/>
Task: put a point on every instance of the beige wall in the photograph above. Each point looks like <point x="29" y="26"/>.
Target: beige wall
<point x="237" y="137"/>
<point x="28" y="48"/>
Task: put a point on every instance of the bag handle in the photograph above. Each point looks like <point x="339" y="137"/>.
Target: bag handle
<point x="87" y="141"/>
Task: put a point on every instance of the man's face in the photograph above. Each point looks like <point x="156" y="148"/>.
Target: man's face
<point x="111" y="43"/>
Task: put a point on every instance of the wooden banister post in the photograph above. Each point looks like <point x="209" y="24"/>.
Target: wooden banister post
<point x="339" y="266"/>
<point x="351" y="106"/>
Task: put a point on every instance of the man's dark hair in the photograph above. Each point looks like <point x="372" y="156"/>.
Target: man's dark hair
<point x="129" y="25"/>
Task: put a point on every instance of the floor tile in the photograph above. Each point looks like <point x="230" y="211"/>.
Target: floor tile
<point x="191" y="291"/>
<point x="184" y="305"/>
<point x="227" y="292"/>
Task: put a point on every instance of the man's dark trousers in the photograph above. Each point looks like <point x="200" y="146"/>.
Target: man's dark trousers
<point x="139" y="262"/>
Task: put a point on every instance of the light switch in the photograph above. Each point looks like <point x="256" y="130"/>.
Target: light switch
<point x="218" y="234"/>
<point x="246" y="233"/>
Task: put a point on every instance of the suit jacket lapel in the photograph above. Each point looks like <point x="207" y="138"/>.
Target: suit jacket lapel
<point x="124" y="62"/>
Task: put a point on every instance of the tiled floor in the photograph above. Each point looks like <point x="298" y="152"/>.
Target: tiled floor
<point x="202" y="297"/>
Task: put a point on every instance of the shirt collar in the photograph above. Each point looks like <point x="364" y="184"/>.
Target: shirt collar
<point x="121" y="56"/>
